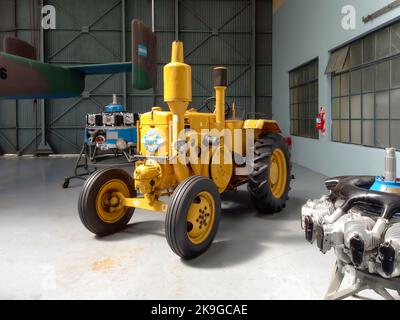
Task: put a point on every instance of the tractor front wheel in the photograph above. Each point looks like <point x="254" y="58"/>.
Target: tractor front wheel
<point x="100" y="208"/>
<point x="269" y="183"/>
<point x="193" y="217"/>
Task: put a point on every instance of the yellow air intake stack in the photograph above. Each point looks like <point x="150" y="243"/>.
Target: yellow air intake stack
<point x="220" y="78"/>
<point x="178" y="95"/>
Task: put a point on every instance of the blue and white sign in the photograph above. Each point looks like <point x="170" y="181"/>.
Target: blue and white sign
<point x="142" y="51"/>
<point x="153" y="140"/>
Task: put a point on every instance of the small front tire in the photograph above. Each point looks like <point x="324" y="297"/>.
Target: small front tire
<point x="193" y="217"/>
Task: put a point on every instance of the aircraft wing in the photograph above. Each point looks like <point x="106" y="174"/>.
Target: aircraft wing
<point x="108" y="68"/>
<point x="23" y="77"/>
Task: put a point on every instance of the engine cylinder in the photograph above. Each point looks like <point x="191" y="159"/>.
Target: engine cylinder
<point x="360" y="227"/>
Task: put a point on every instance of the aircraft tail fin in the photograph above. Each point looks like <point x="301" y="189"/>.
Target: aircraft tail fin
<point x="144" y="56"/>
<point x="20" y="48"/>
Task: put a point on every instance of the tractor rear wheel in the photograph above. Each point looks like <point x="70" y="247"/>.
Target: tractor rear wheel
<point x="193" y="217"/>
<point x="269" y="183"/>
<point x="100" y="208"/>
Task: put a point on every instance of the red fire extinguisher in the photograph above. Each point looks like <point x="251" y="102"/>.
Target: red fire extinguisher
<point x="320" y="122"/>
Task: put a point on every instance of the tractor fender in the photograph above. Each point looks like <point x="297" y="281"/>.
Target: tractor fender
<point x="264" y="126"/>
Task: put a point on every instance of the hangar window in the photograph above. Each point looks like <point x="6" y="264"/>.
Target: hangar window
<point x="304" y="100"/>
<point x="366" y="94"/>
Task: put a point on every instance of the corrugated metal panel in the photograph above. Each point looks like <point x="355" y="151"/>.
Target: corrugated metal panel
<point x="264" y="56"/>
<point x="214" y="33"/>
<point x="219" y="33"/>
<point x="8" y="121"/>
<point x="87" y="32"/>
<point x="24" y="13"/>
<point x="264" y="15"/>
<point x="7" y="21"/>
<point x="165" y="16"/>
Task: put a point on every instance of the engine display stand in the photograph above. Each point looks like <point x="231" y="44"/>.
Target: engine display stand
<point x="362" y="281"/>
<point x="88" y="162"/>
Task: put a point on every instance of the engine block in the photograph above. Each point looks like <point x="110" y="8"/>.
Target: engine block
<point x="112" y="129"/>
<point x="359" y="236"/>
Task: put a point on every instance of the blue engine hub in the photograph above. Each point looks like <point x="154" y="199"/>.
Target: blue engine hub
<point x="114" y="108"/>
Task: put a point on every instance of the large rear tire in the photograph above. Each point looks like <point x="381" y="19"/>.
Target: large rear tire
<point x="193" y="217"/>
<point x="100" y="209"/>
<point x="269" y="183"/>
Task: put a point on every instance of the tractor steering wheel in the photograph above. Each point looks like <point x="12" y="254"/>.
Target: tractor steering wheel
<point x="206" y="105"/>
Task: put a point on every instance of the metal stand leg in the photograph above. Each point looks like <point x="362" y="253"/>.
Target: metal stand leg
<point x="336" y="279"/>
<point x="92" y="158"/>
<point x="85" y="153"/>
<point x="384" y="293"/>
<point x="338" y="276"/>
<point x="359" y="285"/>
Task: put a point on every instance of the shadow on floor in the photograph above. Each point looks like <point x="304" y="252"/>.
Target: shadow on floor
<point x="137" y="230"/>
<point x="238" y="204"/>
<point x="227" y="253"/>
<point x="242" y="236"/>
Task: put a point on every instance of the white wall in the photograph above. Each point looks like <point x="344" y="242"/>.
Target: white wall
<point x="303" y="30"/>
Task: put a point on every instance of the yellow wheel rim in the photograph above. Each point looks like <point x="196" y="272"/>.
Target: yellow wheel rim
<point x="278" y="173"/>
<point x="201" y="218"/>
<point x="109" y="205"/>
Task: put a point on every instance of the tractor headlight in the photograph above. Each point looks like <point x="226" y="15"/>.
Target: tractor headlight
<point x="153" y="140"/>
<point x="121" y="144"/>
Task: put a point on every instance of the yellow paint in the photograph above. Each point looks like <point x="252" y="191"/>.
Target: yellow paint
<point x="221" y="170"/>
<point x="177" y="81"/>
<point x="109" y="201"/>
<point x="220" y="105"/>
<point x="231" y="144"/>
<point x="178" y="95"/>
<point x="180" y="169"/>
<point x="148" y="175"/>
<point x="266" y="126"/>
<point x="155" y="120"/>
<point x="278" y="173"/>
<point x="143" y="203"/>
<point x="201" y="218"/>
<point x="168" y="179"/>
<point x="162" y="174"/>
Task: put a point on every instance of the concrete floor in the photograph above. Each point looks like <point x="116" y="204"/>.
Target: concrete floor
<point x="46" y="253"/>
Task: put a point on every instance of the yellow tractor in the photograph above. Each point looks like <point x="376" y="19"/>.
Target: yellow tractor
<point x="191" y="157"/>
